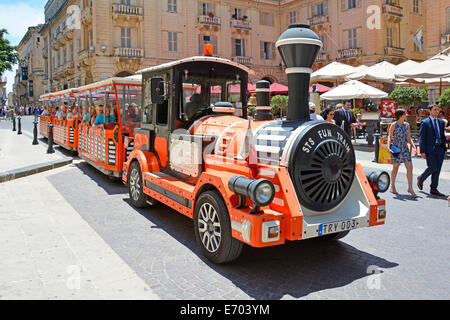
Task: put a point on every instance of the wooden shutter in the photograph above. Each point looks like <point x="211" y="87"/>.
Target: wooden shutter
<point x="233" y="47"/>
<point x="261" y="48"/>
<point x="214" y="43"/>
<point x="358" y="3"/>
<point x="325" y="7"/>
<point x="274" y="51"/>
<point x="344" y="5"/>
<point x="313" y="10"/>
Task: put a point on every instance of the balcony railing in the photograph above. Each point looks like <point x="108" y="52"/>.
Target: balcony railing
<point x="123" y="9"/>
<point x="445" y="39"/>
<point x="214" y="21"/>
<point x="322" y="57"/>
<point x="393" y="51"/>
<point x="243" y="60"/>
<point x="349" y="53"/>
<point x="240" y="24"/>
<point x="393" y="12"/>
<point x="129" y="52"/>
<point x="318" y="20"/>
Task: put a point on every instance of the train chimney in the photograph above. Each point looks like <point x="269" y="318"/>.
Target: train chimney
<point x="263" y="108"/>
<point x="299" y="46"/>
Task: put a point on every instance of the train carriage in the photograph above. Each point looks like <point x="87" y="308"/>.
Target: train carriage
<point x="261" y="182"/>
<point x="65" y="131"/>
<point x="45" y="120"/>
<point x="106" y="146"/>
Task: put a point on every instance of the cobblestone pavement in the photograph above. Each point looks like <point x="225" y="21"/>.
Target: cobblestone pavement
<point x="405" y="259"/>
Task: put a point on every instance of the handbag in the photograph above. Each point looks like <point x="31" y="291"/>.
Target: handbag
<point x="395" y="151"/>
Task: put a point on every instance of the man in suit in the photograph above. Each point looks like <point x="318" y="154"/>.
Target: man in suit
<point x="345" y="118"/>
<point x="432" y="147"/>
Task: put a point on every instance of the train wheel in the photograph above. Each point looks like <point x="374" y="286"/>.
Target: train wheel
<point x="213" y="229"/>
<point x="135" y="186"/>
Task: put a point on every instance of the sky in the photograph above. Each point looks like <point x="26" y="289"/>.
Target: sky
<point x="16" y="16"/>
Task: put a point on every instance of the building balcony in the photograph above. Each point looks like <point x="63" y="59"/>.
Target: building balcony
<point x="350" y="53"/>
<point x="243" y="60"/>
<point x="86" y="15"/>
<point x="322" y="57"/>
<point x="69" y="68"/>
<point x="208" y="22"/>
<point x="129" y="52"/>
<point x="394" y="55"/>
<point x="85" y="58"/>
<point x="392" y="13"/>
<point x="126" y="12"/>
<point x="318" y="20"/>
<point x="445" y="39"/>
<point x="239" y="25"/>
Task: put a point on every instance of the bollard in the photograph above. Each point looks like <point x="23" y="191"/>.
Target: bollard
<point x="50" y="139"/>
<point x="377" y="147"/>
<point x="14" y="123"/>
<point x="19" y="120"/>
<point x="35" y="133"/>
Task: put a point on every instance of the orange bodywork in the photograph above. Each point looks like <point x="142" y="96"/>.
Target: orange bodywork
<point x="65" y="133"/>
<point x="218" y="167"/>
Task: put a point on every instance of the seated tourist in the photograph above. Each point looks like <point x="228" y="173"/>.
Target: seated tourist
<point x="104" y="118"/>
<point x="59" y="114"/>
<point x="73" y="114"/>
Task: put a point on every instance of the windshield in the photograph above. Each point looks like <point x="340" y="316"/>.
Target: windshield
<point x="130" y="105"/>
<point x="201" y="92"/>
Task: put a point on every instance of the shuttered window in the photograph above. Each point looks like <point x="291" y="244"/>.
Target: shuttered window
<point x="238" y="47"/>
<point x="267" y="50"/>
<point x="352" y="38"/>
<point x="172" y="5"/>
<point x="173" y="41"/>
<point x="125" y="37"/>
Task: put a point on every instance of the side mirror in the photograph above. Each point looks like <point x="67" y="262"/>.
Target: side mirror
<point x="157" y="90"/>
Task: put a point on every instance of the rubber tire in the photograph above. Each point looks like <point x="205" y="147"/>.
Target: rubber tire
<point x="335" y="236"/>
<point x="230" y="248"/>
<point x="141" y="202"/>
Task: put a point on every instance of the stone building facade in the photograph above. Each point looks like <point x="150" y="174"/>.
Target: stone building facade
<point x="84" y="41"/>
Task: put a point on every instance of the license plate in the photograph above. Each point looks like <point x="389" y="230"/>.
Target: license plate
<point x="334" y="227"/>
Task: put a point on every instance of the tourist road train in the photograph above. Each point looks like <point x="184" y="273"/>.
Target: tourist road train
<point x="181" y="137"/>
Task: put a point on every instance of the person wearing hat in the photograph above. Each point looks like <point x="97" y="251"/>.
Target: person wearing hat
<point x="312" y="112"/>
<point x="399" y="136"/>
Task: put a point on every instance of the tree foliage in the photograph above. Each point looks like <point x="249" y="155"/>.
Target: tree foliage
<point x="444" y="100"/>
<point x="8" y="53"/>
<point x="407" y="96"/>
<point x="279" y="105"/>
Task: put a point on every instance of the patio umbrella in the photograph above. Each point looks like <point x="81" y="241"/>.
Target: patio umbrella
<point x="435" y="67"/>
<point x="333" y="71"/>
<point x="381" y="72"/>
<point x="321" y="88"/>
<point x="353" y="90"/>
<point x="275" y="88"/>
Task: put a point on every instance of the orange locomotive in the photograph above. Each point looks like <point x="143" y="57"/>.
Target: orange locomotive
<point x="260" y="182"/>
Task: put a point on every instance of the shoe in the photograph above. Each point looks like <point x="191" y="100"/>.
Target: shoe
<point x="437" y="193"/>
<point x="419" y="184"/>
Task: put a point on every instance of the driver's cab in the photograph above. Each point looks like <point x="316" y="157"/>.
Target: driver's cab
<point x="178" y="94"/>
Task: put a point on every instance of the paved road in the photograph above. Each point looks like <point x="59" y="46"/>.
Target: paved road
<point x="405" y="259"/>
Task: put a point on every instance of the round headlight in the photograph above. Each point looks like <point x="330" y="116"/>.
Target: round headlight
<point x="262" y="192"/>
<point x="383" y="182"/>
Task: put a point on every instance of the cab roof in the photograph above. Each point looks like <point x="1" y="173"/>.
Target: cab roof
<point x="196" y="59"/>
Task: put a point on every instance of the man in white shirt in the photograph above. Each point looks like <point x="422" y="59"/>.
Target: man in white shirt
<point x="312" y="112"/>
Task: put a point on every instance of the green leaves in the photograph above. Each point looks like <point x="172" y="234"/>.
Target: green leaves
<point x="444" y="100"/>
<point x="8" y="53"/>
<point x="279" y="104"/>
<point x="406" y="96"/>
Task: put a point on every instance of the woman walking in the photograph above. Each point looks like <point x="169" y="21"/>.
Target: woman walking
<point x="399" y="136"/>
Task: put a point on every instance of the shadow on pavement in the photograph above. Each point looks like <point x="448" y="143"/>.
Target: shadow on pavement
<point x="296" y="268"/>
<point x="111" y="185"/>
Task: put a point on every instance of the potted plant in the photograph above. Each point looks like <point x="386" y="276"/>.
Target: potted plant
<point x="211" y="15"/>
<point x="234" y="16"/>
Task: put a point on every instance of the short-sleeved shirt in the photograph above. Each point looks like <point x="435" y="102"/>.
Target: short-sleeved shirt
<point x="101" y="119"/>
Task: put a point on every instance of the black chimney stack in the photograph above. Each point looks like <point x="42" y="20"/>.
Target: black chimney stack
<point x="263" y="109"/>
<point x="299" y="46"/>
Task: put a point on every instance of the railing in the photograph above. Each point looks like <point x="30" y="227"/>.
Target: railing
<point x="123" y="9"/>
<point x="243" y="60"/>
<point x="240" y="24"/>
<point x="445" y="38"/>
<point x="317" y="20"/>
<point x="349" y="53"/>
<point x="215" y="21"/>
<point x="322" y="56"/>
<point x="393" y="9"/>
<point x="129" y="52"/>
<point x="393" y="51"/>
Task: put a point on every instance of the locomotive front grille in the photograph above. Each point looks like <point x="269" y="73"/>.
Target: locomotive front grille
<point x="129" y="149"/>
